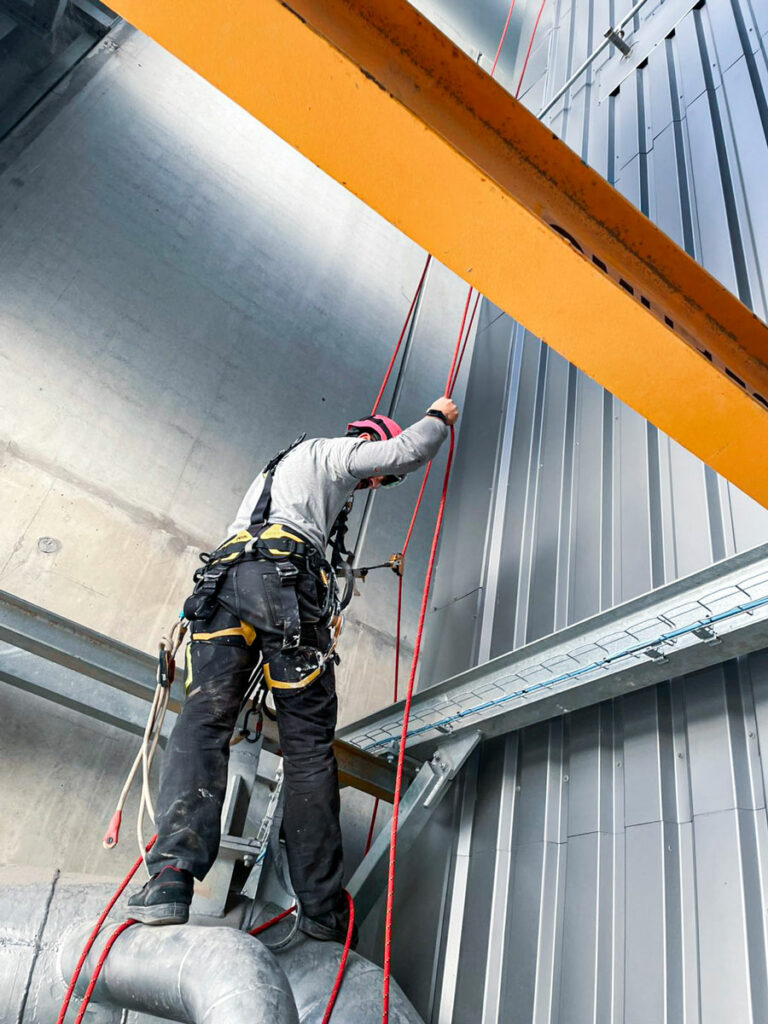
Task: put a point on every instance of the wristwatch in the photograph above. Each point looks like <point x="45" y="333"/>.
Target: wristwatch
<point x="438" y="415"/>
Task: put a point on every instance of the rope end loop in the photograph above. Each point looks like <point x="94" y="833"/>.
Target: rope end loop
<point x="111" y="836"/>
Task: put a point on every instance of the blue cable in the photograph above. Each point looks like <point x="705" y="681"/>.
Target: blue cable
<point x="635" y="649"/>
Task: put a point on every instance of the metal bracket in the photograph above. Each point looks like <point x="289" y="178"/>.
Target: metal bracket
<point x="416" y="809"/>
<point x="243" y="785"/>
<point x="251" y="887"/>
<point x="617" y="38"/>
<point x="707" y="634"/>
<point x="656" y="655"/>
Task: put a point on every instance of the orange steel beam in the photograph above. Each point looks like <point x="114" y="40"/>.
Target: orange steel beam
<point x="377" y="97"/>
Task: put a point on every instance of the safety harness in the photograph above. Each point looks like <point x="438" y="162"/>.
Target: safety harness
<point x="250" y="543"/>
<point x="295" y="666"/>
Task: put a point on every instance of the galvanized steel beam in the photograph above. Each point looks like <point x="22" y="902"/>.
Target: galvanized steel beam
<point x="377" y="97"/>
<point x="416" y="809"/>
<point x="41" y="679"/>
<point x="73" y="648"/>
<point x="701" y="620"/>
<point x="67" y="643"/>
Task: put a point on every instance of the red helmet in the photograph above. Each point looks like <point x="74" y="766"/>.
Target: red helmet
<point x="385" y="429"/>
<point x="381" y="426"/>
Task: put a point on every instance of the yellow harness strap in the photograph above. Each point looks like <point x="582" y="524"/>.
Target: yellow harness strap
<point x="245" y="630"/>
<point x="279" y="684"/>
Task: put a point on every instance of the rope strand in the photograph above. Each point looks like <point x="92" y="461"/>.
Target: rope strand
<point x="99" y="964"/>
<point x="458" y="356"/>
<point x="273" y="920"/>
<point x="343" y="963"/>
<point x="530" y="47"/>
<point x="411" y="308"/>
<point x="403" y="733"/>
<point x="97" y="927"/>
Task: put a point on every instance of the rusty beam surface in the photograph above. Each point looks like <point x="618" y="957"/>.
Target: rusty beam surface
<point x="378" y="98"/>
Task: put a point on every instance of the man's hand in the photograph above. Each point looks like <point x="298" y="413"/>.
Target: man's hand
<point x="448" y="408"/>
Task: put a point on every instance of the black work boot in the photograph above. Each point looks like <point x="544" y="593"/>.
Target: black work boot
<point x="164" y="899"/>
<point x="330" y="926"/>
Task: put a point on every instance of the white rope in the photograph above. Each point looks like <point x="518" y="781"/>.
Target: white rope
<point x="147" y="750"/>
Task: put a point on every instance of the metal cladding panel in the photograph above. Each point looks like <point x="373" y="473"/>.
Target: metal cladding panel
<point x="455" y="597"/>
<point x="587" y="504"/>
<point x="609" y="865"/>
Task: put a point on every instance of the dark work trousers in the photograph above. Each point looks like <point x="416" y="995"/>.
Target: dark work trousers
<point x="221" y="657"/>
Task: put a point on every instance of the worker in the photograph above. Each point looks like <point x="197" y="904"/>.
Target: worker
<point x="262" y="594"/>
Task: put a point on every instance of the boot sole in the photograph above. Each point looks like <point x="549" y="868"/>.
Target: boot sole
<point x="161" y="913"/>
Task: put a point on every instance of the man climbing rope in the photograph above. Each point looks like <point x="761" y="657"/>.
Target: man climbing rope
<point x="264" y="593"/>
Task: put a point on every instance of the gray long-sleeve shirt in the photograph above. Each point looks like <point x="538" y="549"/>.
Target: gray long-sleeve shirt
<point x="312" y="483"/>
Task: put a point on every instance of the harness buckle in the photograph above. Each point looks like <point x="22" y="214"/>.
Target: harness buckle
<point x="209" y="582"/>
<point x="287" y="572"/>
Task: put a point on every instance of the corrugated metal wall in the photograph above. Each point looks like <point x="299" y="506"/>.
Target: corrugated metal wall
<point x="609" y="865"/>
<point x="565" y="501"/>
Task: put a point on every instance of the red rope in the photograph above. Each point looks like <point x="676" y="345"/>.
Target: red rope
<point x="503" y="37"/>
<point x="343" y="962"/>
<point x="453" y="373"/>
<point x="402" y="335"/>
<point x="450" y="381"/>
<point x="397" y="631"/>
<point x="466" y="339"/>
<point x="273" y="920"/>
<point x="99" y="964"/>
<point x="403" y="734"/>
<point x="530" y="47"/>
<point x="97" y="927"/>
<point x="409" y="694"/>
<point x="406" y="543"/>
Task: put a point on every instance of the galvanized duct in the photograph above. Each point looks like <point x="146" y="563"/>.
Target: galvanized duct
<point x="193" y="973"/>
<point x="311" y="968"/>
<point x="189" y="974"/>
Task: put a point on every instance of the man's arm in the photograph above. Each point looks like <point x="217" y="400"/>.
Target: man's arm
<point x="402" y="454"/>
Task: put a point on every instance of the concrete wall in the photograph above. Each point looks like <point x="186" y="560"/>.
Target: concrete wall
<point x="182" y="294"/>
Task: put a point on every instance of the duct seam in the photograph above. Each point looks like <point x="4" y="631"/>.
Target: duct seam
<point x="37" y="946"/>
